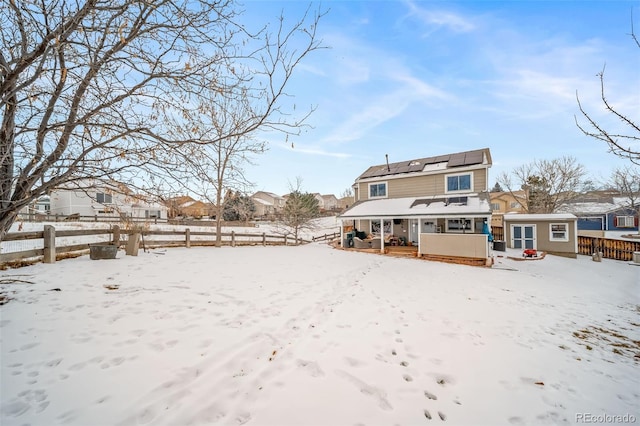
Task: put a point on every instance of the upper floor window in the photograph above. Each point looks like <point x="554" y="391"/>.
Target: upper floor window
<point x="461" y="182"/>
<point x="103" y="198"/>
<point x="495" y="207"/>
<point x="378" y="190"/>
<point x="515" y="205"/>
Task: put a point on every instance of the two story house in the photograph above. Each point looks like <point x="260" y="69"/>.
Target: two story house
<point x="446" y="194"/>
<point x="506" y="202"/>
<point x="330" y="202"/>
<point x="267" y="204"/>
<point x="100" y="199"/>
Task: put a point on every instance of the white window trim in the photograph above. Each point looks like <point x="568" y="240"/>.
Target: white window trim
<point x="384" y="222"/>
<point x="627" y="219"/>
<point x="459" y="191"/>
<point x="566" y="232"/>
<point x="104" y="196"/>
<point x="386" y="190"/>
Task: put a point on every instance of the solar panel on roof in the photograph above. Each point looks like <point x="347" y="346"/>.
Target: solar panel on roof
<point x="474" y="157"/>
<point x="458" y="200"/>
<point x="452" y="160"/>
<point x="456" y="160"/>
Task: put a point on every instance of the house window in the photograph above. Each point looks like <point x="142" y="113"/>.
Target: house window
<point x="624" y="222"/>
<point x="558" y="232"/>
<point x="152" y="214"/>
<point x="103" y="198"/>
<point x="458" y="225"/>
<point x="378" y="190"/>
<point x="375" y="227"/>
<point x="456" y="183"/>
<point x="515" y="205"/>
<point x="495" y="206"/>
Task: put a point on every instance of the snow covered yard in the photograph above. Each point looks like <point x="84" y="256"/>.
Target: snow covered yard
<point x="310" y="335"/>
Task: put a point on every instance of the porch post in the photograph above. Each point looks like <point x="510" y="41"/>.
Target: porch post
<point x="381" y="235"/>
<point x="341" y="234"/>
<point x="418" y="232"/>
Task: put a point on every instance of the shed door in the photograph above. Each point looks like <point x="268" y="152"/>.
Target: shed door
<point x="523" y="236"/>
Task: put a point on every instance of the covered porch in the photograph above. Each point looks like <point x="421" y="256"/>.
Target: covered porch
<point x="430" y="226"/>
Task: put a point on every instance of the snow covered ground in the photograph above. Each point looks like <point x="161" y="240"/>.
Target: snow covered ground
<point x="312" y="335"/>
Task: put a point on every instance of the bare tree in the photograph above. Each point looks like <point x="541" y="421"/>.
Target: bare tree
<point x="625" y="145"/>
<point x="96" y="90"/>
<point x="626" y="180"/>
<point x="222" y="126"/>
<point x="548" y="184"/>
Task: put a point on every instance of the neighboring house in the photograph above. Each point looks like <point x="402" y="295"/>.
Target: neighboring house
<point x="330" y="202"/>
<point x="267" y="203"/>
<point x="185" y="206"/>
<point x="100" y="199"/>
<point x="603" y="213"/>
<point x="37" y="208"/>
<point x="506" y="202"/>
<point x="416" y="200"/>
<point x="345" y="202"/>
<point x="555" y="233"/>
<point x="320" y="199"/>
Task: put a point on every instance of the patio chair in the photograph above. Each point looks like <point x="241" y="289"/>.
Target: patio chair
<point x="376" y="243"/>
<point x="360" y="243"/>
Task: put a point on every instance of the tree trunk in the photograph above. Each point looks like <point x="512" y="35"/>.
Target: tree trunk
<point x="219" y="213"/>
<point x="7" y="218"/>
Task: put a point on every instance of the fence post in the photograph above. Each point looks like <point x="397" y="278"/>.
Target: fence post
<point x="116" y="235"/>
<point x="285" y="240"/>
<point x="233" y="238"/>
<point x="264" y="239"/>
<point x="95" y="218"/>
<point x="187" y="236"/>
<point x="49" y="244"/>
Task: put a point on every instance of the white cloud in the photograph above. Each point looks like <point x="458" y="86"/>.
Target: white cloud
<point x="436" y="19"/>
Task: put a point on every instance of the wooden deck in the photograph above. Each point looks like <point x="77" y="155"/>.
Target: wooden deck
<point x="412" y="252"/>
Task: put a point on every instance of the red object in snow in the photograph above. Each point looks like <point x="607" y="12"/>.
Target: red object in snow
<point x="530" y="253"/>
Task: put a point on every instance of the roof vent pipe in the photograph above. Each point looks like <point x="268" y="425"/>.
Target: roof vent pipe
<point x="387" y="157"/>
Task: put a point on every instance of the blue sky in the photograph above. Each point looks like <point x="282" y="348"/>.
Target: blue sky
<point x="414" y="79"/>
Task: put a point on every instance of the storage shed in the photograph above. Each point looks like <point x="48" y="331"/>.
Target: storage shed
<point x="555" y="233"/>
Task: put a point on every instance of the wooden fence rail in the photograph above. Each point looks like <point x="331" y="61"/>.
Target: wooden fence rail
<point x="51" y="217"/>
<point x="48" y="239"/>
<point x="326" y="237"/>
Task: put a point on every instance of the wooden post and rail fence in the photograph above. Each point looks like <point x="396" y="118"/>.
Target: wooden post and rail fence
<point x="53" y="245"/>
<point x="51" y="248"/>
